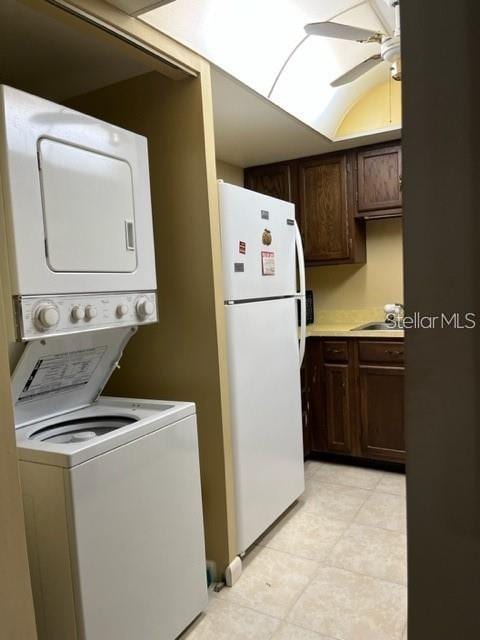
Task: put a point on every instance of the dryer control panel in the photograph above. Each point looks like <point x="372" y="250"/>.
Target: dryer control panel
<point x="41" y="316"/>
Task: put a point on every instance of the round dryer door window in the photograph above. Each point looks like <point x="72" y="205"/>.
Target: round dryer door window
<point x="81" y="429"/>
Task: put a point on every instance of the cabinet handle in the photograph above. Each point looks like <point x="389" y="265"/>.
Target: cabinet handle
<point x="392" y="352"/>
<point x="400" y="182"/>
<point x="334" y="351"/>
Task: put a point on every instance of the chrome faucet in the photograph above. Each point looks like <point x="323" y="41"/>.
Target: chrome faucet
<point x="394" y="312"/>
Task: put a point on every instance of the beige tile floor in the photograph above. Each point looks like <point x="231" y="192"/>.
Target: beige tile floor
<point x="333" y="567"/>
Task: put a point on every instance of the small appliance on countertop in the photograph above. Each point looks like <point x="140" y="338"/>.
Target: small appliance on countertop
<point x="309" y="305"/>
<point x="309" y="308"/>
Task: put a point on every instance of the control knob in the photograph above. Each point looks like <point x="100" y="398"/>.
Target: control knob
<point x="46" y="316"/>
<point x="78" y="313"/>
<point x="144" y="308"/>
<point x="90" y="312"/>
<point x="122" y="310"/>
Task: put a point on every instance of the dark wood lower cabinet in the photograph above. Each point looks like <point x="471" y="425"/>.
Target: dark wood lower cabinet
<point x="354" y="400"/>
<point x="381" y="413"/>
<point x="337" y="407"/>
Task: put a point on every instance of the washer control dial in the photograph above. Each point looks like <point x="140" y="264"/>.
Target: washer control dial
<point x="78" y="313"/>
<point x="122" y="310"/>
<point x="47" y="316"/>
<point x="144" y="308"/>
<point x="90" y="312"/>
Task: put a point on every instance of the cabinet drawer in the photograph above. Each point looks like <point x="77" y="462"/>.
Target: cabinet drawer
<point x="335" y="351"/>
<point x="388" y="352"/>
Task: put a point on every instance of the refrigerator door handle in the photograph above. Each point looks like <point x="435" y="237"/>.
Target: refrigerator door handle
<point x="301" y="293"/>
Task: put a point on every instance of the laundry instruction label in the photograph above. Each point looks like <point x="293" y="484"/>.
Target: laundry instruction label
<point x="268" y="263"/>
<point x="61" y="372"/>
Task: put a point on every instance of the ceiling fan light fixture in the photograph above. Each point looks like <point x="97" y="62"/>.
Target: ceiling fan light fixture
<point x="390" y="50"/>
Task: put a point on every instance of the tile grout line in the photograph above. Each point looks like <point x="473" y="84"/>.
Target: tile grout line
<point x="262" y="613"/>
<point x="375" y="526"/>
<point x="342" y="484"/>
<point x="280" y="620"/>
<point x="383" y="474"/>
<point x="291" y="607"/>
<point x="391" y="493"/>
<point x="366" y="575"/>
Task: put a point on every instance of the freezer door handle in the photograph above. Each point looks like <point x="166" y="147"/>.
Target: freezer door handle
<point x="301" y="293"/>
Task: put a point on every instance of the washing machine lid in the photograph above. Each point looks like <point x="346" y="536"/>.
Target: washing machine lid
<point x="64" y="373"/>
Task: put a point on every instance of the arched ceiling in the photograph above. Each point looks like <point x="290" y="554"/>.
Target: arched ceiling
<point x="251" y="39"/>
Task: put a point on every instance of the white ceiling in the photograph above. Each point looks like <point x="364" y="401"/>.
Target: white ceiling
<point x="251" y="39"/>
<point x="251" y="130"/>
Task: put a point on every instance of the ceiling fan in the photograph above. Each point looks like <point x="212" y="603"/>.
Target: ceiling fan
<point x="389" y="45"/>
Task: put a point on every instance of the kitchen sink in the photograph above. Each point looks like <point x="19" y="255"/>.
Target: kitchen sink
<point x="377" y="326"/>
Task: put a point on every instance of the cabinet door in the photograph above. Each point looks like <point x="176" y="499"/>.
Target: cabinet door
<point x="337" y="408"/>
<point x="316" y="399"/>
<point x="277" y="180"/>
<point x="382" y="413"/>
<point x="324" y="203"/>
<point x="379" y="173"/>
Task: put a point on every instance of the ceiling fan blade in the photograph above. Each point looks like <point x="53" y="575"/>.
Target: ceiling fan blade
<point x="342" y="31"/>
<point x="357" y="71"/>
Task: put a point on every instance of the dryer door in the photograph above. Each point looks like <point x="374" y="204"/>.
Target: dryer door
<point x="88" y="210"/>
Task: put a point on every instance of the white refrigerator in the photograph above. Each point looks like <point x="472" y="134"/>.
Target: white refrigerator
<point x="261" y="247"/>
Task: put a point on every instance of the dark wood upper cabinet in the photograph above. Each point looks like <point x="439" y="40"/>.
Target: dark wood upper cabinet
<point x="333" y="194"/>
<point x="379" y="181"/>
<point x="277" y="180"/>
<point x="326" y="200"/>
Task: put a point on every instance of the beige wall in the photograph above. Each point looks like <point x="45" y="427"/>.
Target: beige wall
<point x="183" y="356"/>
<point x="229" y="173"/>
<point x="380" y="108"/>
<point x="366" y="286"/>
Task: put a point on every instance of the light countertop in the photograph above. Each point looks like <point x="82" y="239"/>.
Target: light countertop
<point x="344" y="330"/>
<point x="340" y="324"/>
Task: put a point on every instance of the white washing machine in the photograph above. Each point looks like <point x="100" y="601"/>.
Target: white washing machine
<point x="112" y="497"/>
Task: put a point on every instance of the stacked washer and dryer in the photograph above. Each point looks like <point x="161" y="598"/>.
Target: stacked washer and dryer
<point x="111" y="486"/>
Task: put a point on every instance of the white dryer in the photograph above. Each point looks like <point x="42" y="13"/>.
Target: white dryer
<point x="75" y="206"/>
<point x="112" y="497"/>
